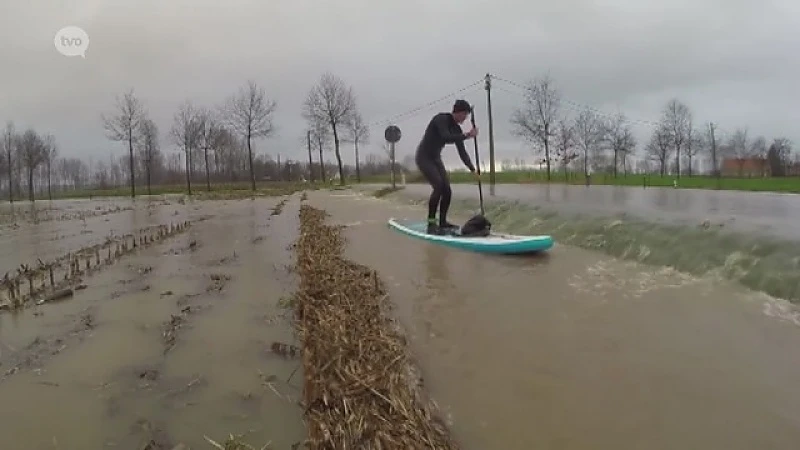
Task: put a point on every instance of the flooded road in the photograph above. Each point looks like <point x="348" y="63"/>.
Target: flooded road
<point x="168" y="344"/>
<point x="576" y="350"/>
<point x="767" y="213"/>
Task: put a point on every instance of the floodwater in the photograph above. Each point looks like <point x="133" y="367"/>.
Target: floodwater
<point x="575" y="350"/>
<point x="47" y="230"/>
<point x="769" y="213"/>
<point x="167" y="345"/>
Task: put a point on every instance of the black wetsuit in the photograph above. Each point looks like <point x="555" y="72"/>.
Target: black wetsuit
<point x="441" y="130"/>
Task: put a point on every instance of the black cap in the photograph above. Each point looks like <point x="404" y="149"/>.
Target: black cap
<point x="461" y="106"/>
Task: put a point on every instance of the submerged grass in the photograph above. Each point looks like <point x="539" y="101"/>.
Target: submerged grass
<point x="382" y="192"/>
<point x="359" y="390"/>
<point x="758" y="262"/>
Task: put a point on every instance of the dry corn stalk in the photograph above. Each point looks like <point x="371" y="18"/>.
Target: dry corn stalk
<point x="357" y="390"/>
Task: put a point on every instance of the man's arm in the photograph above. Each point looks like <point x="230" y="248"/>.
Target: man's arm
<point x="462" y="152"/>
<point x="447" y="135"/>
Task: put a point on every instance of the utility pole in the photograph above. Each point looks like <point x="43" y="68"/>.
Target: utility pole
<point x="491" y="133"/>
<point x="310" y="161"/>
<point x="394" y="182"/>
<point x="280" y="174"/>
<point x="717" y="170"/>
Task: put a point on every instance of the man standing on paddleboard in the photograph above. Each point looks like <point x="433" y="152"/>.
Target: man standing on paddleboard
<point x="444" y="128"/>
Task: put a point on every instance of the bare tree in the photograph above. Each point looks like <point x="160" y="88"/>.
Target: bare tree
<point x="758" y="152"/>
<point x="224" y="146"/>
<point x="739" y="147"/>
<point x="778" y="156"/>
<point x="659" y="148"/>
<point x="619" y="138"/>
<point x="536" y="120"/>
<point x="677" y="119"/>
<point x="50" y="152"/>
<point x="149" y="150"/>
<point x="334" y="103"/>
<point x="358" y="132"/>
<point x="3" y="162"/>
<point x="32" y="154"/>
<point x="694" y="142"/>
<point x="9" y="141"/>
<point x="206" y="131"/>
<point x="565" y="141"/>
<point x="321" y="136"/>
<point x="184" y="133"/>
<point x="712" y="145"/>
<point x="249" y="113"/>
<point x="123" y="125"/>
<point x="588" y="133"/>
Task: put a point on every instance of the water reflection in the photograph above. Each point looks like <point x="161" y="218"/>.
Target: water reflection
<point x="619" y="195"/>
<point x="565" y="191"/>
<point x="712" y="203"/>
<point x="661" y="198"/>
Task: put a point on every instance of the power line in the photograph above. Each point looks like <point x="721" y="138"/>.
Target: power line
<point x="412" y="112"/>
<point x="582" y="107"/>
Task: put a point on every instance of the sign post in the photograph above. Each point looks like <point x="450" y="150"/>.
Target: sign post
<point x="392" y="135"/>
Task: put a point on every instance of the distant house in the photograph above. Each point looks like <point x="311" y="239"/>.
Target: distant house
<point x="745" y="167"/>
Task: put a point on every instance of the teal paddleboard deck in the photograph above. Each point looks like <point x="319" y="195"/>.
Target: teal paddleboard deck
<point x="494" y="243"/>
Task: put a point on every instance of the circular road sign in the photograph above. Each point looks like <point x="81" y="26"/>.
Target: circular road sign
<point x="392" y="133"/>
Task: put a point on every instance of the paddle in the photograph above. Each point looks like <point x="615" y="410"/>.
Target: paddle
<point x="477" y="160"/>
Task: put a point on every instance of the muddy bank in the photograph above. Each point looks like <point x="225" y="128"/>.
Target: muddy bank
<point x="575" y="349"/>
<point x="759" y="262"/>
<point x="358" y="391"/>
<point x="171" y="344"/>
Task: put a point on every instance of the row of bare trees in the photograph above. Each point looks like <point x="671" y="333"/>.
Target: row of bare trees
<point x="27" y="155"/>
<point x="676" y="138"/>
<point x="607" y="143"/>
<point x="590" y="137"/>
<point x="331" y="112"/>
<point x="225" y="131"/>
<point x="218" y="138"/>
<point x="47" y="178"/>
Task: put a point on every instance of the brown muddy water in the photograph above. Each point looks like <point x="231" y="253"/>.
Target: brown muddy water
<point x="167" y="345"/>
<point x="575" y="350"/>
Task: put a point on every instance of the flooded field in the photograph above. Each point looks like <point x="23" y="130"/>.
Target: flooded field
<point x="164" y="345"/>
<point x="766" y="213"/>
<point x="579" y="350"/>
<point x="756" y="258"/>
<point x="185" y="336"/>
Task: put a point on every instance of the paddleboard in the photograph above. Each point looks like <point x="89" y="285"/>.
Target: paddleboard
<point x="494" y="243"/>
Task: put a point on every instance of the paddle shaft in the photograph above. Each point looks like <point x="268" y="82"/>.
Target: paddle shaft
<point x="477" y="161"/>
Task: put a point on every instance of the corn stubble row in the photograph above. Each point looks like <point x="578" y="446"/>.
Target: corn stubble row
<point x="52" y="280"/>
<point x="359" y="392"/>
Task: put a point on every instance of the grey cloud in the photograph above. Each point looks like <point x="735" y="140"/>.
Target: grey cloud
<point x="733" y="62"/>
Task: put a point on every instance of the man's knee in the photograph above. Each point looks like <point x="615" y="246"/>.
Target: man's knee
<point x="445" y="188"/>
<point x="440" y="188"/>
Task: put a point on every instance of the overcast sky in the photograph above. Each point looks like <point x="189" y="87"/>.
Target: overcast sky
<point x="734" y="62"/>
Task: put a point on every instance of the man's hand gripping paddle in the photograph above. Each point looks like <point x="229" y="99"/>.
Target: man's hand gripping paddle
<point x="478" y="225"/>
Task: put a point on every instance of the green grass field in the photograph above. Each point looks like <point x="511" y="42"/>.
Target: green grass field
<point x="782" y="184"/>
